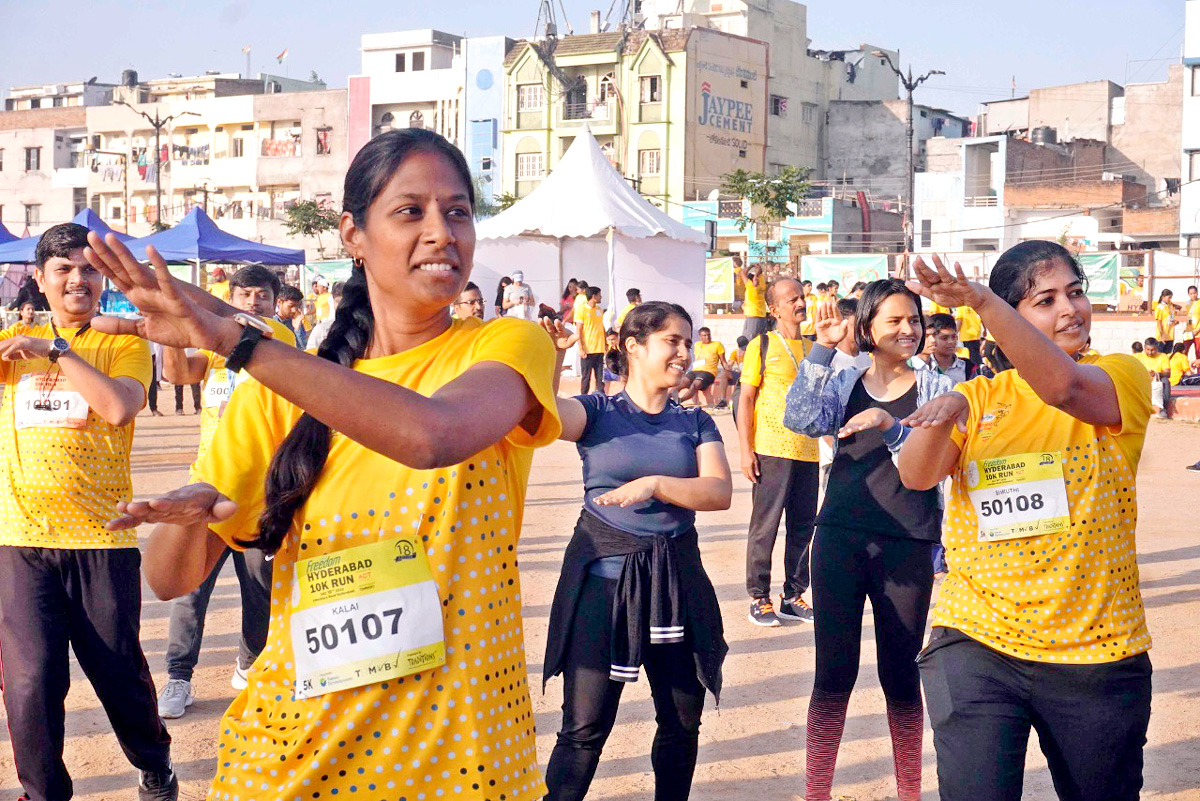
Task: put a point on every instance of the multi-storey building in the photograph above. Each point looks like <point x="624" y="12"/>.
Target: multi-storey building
<point x="1189" y="203"/>
<point x="242" y="149"/>
<point x="675" y="110"/>
<point x="434" y="80"/>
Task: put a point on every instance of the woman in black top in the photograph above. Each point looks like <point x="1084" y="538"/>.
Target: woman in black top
<point x="874" y="538"/>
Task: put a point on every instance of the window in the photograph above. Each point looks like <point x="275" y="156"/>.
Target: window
<point x="926" y="233"/>
<point x="239" y="148"/>
<point x="1" y="158"/>
<point x="529" y="97"/>
<point x="323" y="146"/>
<point x="778" y="106"/>
<point x="808" y="113"/>
<point x="78" y="199"/>
<point x="1195" y="74"/>
<point x="115" y="213"/>
<point x="529" y="167"/>
<point x="1193" y="245"/>
<point x="418" y="62"/>
<point x="608" y="88"/>
<point x="651" y="88"/>
<point x="33" y="159"/>
<point x="58" y="101"/>
<point x="649" y="162"/>
<point x="35" y="102"/>
<point x="1193" y="165"/>
<point x="33" y="214"/>
<point x="416" y="120"/>
<point x="399" y="62"/>
<point x="485" y="164"/>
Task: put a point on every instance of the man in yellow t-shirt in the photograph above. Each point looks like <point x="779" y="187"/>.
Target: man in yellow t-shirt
<point x="709" y="361"/>
<point x="1159" y="366"/>
<point x="808" y="328"/>
<point x="253" y="290"/>
<point x="754" y="308"/>
<point x="780" y="464"/>
<point x="70" y="397"/>
<point x="970" y="333"/>
<point x="322" y="302"/>
<point x="218" y="284"/>
<point x="589" y="322"/>
<point x="634" y="296"/>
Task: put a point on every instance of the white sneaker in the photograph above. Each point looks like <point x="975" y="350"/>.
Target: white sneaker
<point x="175" y="698"/>
<point x="239" y="680"/>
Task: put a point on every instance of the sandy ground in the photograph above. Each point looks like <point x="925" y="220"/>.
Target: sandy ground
<point x="753" y="746"/>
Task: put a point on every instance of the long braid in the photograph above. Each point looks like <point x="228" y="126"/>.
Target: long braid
<point x="301" y="456"/>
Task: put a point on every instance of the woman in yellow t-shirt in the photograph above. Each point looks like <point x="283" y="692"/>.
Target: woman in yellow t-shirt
<point x="395" y="663"/>
<point x="1040" y="621"/>
<point x="1164" y="320"/>
<point x="1193" y="320"/>
<point x="25" y="319"/>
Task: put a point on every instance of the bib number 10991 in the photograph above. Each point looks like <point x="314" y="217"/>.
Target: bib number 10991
<point x="370" y="626"/>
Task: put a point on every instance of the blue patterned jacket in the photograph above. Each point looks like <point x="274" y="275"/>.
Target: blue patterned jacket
<point x="817" y="399"/>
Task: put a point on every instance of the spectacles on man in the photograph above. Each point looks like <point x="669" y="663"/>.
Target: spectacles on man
<point x="469" y="302"/>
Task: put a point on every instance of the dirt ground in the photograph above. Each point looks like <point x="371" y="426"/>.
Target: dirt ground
<point x="753" y="746"/>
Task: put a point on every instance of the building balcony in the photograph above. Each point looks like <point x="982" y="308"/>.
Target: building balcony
<point x="981" y="202"/>
<point x="1073" y="195"/>
<point x="600" y="115"/>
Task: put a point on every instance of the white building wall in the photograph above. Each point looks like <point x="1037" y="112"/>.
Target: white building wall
<point x="1189" y="200"/>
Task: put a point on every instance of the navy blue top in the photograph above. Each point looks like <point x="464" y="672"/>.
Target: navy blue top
<point x="621" y="443"/>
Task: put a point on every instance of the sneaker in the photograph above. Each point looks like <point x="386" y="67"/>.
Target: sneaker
<point x="795" y="609"/>
<point x="175" y="698"/>
<point x="1195" y="468"/>
<point x="762" y="613"/>
<point x="156" y="413"/>
<point x="158" y="786"/>
<point x="239" y="680"/>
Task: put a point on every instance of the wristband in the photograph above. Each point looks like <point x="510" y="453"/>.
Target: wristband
<point x="240" y="355"/>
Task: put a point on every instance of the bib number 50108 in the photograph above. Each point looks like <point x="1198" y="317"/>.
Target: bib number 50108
<point x="1018" y="496"/>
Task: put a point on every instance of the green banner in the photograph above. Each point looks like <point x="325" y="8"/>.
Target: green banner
<point x="718" y="280"/>
<point x="846" y="268"/>
<point x="1103" y="276"/>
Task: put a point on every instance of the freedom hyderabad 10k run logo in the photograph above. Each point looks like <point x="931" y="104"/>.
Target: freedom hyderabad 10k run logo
<point x="725" y="112"/>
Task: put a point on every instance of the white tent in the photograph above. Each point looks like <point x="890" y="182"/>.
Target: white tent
<point x="585" y="221"/>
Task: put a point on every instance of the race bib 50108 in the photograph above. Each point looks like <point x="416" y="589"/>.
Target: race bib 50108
<point x="1018" y="496"/>
<point x="364" y="615"/>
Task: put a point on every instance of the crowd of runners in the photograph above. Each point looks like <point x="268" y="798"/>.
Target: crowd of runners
<point x="374" y="529"/>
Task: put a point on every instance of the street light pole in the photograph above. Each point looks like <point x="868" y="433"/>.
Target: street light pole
<point x="909" y="85"/>
<point x="158" y="123"/>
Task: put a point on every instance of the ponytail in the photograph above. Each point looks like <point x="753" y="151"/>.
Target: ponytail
<point x="301" y="456"/>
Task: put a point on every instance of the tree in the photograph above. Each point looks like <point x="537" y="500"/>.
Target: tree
<point x="506" y="200"/>
<point x="484" y="207"/>
<point x="314" y="77"/>
<point x="770" y="196"/>
<point x="310" y="218"/>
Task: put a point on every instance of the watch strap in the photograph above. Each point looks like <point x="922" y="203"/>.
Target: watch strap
<point x="239" y="357"/>
<point x="58" y="347"/>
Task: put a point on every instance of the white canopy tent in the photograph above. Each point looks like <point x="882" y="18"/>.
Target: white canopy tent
<point x="585" y="221"/>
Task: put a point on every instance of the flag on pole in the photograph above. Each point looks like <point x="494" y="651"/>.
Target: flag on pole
<point x="246" y="50"/>
<point x="281" y="56"/>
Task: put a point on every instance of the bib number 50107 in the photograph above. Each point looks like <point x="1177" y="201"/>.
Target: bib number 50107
<point x="370" y="627"/>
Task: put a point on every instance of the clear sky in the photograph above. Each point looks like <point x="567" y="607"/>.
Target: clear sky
<point x="981" y="46"/>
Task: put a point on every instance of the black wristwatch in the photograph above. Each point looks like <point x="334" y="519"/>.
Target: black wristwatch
<point x="253" y="331"/>
<point x="58" y="347"/>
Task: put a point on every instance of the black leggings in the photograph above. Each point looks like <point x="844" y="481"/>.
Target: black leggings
<point x="849" y="566"/>
<point x="591" y="364"/>
<point x="590" y="700"/>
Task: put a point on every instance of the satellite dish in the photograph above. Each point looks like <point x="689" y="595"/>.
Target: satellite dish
<point x="714" y="195"/>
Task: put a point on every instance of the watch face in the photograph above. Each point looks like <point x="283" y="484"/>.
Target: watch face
<point x="61" y="345"/>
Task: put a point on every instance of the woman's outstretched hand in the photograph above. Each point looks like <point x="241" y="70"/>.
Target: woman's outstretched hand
<point x="637" y="491"/>
<point x="949" y="408"/>
<point x="174" y="313"/>
<point x="943" y="288"/>
<point x="186" y="506"/>
<point x="831" y="327"/>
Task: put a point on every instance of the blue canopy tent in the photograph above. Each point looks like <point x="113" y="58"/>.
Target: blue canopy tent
<point x="21" y="251"/>
<point x="6" y="235"/>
